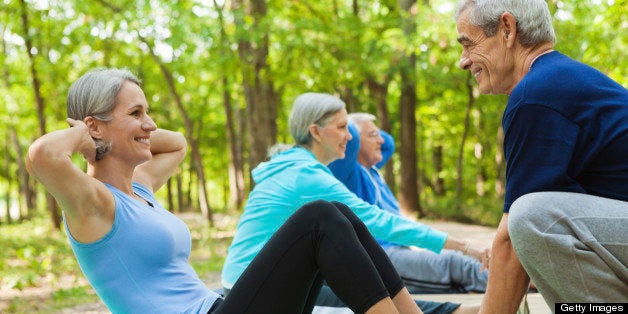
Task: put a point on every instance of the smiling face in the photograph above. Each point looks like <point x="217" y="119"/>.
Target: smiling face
<point x="370" y="144"/>
<point x="130" y="126"/>
<point x="330" y="140"/>
<point x="488" y="58"/>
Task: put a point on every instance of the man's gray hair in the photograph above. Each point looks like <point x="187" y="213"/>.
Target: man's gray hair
<point x="308" y="109"/>
<point x="358" y="117"/>
<point x="534" y="21"/>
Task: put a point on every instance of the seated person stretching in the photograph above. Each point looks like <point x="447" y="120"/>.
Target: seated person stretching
<point x="318" y="124"/>
<point x="423" y="271"/>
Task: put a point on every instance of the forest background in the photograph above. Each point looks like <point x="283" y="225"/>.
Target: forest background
<point x="225" y="73"/>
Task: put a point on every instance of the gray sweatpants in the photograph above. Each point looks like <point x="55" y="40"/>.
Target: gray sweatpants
<point x="573" y="246"/>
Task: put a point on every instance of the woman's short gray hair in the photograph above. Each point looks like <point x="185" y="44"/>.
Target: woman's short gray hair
<point x="94" y="94"/>
<point x="534" y="21"/>
<point x="308" y="109"/>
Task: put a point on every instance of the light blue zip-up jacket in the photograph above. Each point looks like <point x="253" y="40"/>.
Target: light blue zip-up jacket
<point x="367" y="183"/>
<point x="294" y="178"/>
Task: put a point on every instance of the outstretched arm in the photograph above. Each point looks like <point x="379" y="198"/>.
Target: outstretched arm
<point x="479" y="253"/>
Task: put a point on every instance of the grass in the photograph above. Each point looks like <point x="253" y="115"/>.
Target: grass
<point x="39" y="274"/>
<point x="479" y="211"/>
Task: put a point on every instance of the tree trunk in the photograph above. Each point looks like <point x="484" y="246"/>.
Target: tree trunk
<point x="179" y="185"/>
<point x="170" y="197"/>
<point x="347" y="95"/>
<point x="438" y="184"/>
<point x="51" y="204"/>
<point x="261" y="98"/>
<point x="188" y="125"/>
<point x="26" y="194"/>
<point x="190" y="187"/>
<point x="7" y="155"/>
<point x="379" y="93"/>
<point x="409" y="188"/>
<point x="236" y="167"/>
<point x="482" y="145"/>
<point x="500" y="165"/>
<point x="465" y="132"/>
<point x="7" y="175"/>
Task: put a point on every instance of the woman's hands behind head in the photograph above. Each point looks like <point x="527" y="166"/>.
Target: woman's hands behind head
<point x="87" y="145"/>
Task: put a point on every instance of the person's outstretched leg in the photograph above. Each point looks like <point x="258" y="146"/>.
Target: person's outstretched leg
<point x="424" y="271"/>
<point x="316" y="242"/>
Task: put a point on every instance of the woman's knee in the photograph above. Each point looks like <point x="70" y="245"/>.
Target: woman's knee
<point x="355" y="221"/>
<point x="321" y="211"/>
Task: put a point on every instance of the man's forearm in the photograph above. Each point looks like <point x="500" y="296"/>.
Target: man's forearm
<point x="507" y="280"/>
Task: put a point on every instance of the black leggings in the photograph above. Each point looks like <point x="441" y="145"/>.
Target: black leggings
<point x="320" y="241"/>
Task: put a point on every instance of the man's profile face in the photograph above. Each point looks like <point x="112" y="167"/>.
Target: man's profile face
<point x="485" y="57"/>
<point x="370" y="144"/>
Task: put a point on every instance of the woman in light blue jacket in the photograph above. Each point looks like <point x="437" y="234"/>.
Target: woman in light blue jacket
<point x="318" y="123"/>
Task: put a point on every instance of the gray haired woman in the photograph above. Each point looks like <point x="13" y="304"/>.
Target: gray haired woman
<point x="293" y="177"/>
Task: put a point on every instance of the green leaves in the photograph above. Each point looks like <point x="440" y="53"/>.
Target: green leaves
<point x="325" y="46"/>
<point x="32" y="255"/>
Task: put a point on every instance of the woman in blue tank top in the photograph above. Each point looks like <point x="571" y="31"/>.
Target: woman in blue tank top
<point x="135" y="253"/>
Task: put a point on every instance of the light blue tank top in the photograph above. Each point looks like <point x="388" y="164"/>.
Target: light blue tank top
<point x="141" y="264"/>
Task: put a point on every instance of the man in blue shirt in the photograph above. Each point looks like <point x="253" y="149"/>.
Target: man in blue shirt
<point x="566" y="147"/>
<point x="423" y="271"/>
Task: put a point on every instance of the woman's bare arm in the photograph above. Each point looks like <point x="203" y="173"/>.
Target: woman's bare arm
<point x="168" y="149"/>
<point x="82" y="197"/>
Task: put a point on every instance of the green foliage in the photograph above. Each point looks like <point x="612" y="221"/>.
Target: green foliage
<point x="64" y="298"/>
<point x="326" y="46"/>
<point x="60" y="300"/>
<point x="477" y="210"/>
<point x="209" y="244"/>
<point x="33" y="253"/>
